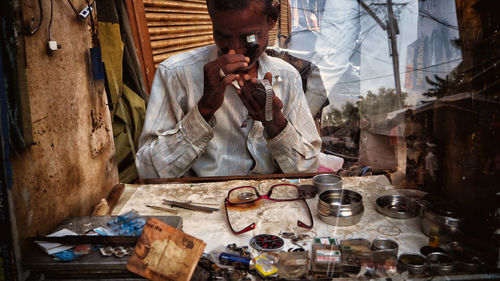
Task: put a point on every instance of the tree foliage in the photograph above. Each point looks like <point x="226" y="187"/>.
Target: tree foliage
<point x="451" y="84"/>
<point x="368" y="107"/>
<point x="347" y="114"/>
<point x="382" y="103"/>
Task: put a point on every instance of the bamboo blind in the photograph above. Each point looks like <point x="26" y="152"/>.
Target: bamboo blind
<point x="176" y="26"/>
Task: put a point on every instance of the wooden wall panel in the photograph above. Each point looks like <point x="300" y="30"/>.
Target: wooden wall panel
<point x="71" y="164"/>
<point x="138" y="26"/>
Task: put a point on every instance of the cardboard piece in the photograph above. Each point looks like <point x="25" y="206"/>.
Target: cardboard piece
<point x="165" y="253"/>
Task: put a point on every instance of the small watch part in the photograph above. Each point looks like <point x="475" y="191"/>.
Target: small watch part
<point x="107" y="251"/>
<point x="287" y="235"/>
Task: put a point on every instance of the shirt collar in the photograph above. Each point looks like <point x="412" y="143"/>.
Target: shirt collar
<point x="265" y="65"/>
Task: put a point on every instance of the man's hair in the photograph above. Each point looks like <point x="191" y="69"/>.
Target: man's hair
<point x="235" y="5"/>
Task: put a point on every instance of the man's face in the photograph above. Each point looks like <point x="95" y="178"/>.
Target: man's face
<point x="231" y="28"/>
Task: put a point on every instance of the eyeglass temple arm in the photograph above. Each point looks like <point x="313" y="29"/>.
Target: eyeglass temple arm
<point x="248" y="228"/>
<point x="303" y="225"/>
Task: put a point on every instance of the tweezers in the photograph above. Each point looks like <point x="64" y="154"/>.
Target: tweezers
<point x="189" y="206"/>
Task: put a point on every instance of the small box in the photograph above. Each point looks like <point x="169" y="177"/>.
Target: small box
<point x="326" y="255"/>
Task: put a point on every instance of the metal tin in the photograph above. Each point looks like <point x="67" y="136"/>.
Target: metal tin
<point x="470" y="264"/>
<point x="413" y="263"/>
<point x="440" y="262"/>
<point x="355" y="242"/>
<point x="443" y="219"/>
<point x="387" y="245"/>
<point x="396" y="206"/>
<point x="326" y="182"/>
<point x="341" y="207"/>
<point x="425" y="250"/>
<point x="342" y="220"/>
<point x="354" y="250"/>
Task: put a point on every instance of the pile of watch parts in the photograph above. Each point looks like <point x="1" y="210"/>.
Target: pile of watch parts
<point x="268" y="257"/>
<point x="313" y="258"/>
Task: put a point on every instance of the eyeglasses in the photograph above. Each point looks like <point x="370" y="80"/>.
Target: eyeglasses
<point x="246" y="195"/>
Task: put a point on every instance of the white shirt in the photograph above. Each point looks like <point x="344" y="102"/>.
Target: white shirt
<point x="176" y="138"/>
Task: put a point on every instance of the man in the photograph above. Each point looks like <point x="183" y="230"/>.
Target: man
<point x="213" y="128"/>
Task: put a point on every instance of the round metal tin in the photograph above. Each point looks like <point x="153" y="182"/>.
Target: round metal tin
<point x="396" y="206"/>
<point x="413" y="263"/>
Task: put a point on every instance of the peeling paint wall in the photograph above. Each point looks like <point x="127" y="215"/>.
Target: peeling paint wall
<point x="72" y="163"/>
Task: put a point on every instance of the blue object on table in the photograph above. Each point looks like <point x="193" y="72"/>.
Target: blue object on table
<point x="129" y="224"/>
<point x="66" y="255"/>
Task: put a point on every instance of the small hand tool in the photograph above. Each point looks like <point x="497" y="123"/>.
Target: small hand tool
<point x="189" y="206"/>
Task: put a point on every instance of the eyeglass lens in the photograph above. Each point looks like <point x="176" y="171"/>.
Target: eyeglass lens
<point x="247" y="194"/>
<point x="246" y="198"/>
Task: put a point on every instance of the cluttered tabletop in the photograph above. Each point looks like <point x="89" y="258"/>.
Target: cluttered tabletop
<point x="283" y="228"/>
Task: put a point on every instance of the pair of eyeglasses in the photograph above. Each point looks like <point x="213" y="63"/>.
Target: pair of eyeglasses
<point x="247" y="195"/>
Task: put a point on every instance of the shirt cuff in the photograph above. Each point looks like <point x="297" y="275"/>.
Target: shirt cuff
<point x="196" y="129"/>
<point x="284" y="140"/>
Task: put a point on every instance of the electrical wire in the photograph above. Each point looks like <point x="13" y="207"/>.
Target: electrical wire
<point x="35" y="29"/>
<point x="73" y="7"/>
<point x="92" y="25"/>
<point x="408" y="71"/>
<point x="426" y="14"/>
<point x="50" y="20"/>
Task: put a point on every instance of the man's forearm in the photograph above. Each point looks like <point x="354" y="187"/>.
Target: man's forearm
<point x="174" y="152"/>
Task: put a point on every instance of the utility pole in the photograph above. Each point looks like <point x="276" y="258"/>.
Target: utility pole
<point x="392" y="31"/>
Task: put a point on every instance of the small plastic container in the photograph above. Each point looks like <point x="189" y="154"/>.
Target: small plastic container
<point x="293" y="265"/>
<point x="264" y="266"/>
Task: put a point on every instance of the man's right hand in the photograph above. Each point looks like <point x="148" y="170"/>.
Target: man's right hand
<point x="215" y="84"/>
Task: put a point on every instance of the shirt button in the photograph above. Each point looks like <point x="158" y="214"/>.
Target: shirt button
<point x="250" y="140"/>
<point x="206" y="139"/>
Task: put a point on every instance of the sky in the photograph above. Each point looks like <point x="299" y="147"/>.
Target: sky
<point x="352" y="50"/>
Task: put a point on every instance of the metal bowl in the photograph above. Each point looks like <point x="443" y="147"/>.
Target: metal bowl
<point x="341" y="207"/>
<point x="326" y="182"/>
<point x="396" y="206"/>
<point x="440" y="262"/>
<point x="413" y="263"/>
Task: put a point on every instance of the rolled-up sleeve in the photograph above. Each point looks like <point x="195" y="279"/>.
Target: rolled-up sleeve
<point x="172" y="137"/>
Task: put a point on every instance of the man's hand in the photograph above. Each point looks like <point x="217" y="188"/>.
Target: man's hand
<point x="215" y="84"/>
<point x="255" y="101"/>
